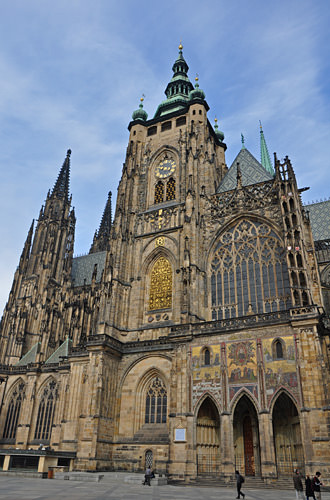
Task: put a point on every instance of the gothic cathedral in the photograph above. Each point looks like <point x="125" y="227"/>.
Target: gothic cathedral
<point x="194" y="335"/>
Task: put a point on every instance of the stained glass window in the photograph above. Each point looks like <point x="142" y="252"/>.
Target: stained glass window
<point x="46" y="412"/>
<point x="13" y="413"/>
<point x="248" y="272"/>
<point x="160" y="296"/>
<point x="156" y="402"/>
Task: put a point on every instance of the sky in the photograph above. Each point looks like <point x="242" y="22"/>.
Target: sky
<point x="73" y="71"/>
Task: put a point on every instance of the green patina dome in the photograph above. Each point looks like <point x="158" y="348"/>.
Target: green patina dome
<point x="220" y="135"/>
<point x="196" y="93"/>
<point x="140" y="114"/>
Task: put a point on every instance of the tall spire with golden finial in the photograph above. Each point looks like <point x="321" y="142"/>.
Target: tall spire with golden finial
<point x="178" y="89"/>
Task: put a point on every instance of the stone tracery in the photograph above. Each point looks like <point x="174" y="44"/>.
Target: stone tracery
<point x="248" y="272"/>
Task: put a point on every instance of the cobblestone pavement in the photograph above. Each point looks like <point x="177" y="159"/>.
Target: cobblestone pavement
<point x="20" y="488"/>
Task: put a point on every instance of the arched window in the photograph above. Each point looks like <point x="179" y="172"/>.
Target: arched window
<point x="46" y="412"/>
<point x="170" y="189"/>
<point x="156" y="402"/>
<point x="278" y="350"/>
<point x="159" y="192"/>
<point x="148" y="458"/>
<point x="160" y="296"/>
<point x="13" y="413"/>
<point x="207" y="357"/>
<point x="248" y="272"/>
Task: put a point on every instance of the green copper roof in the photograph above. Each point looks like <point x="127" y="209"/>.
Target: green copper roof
<point x="178" y="89"/>
<point x="265" y="159"/>
<point x="220" y="135"/>
<point x="30" y="356"/>
<point x="140" y="114"/>
<point x="60" y="353"/>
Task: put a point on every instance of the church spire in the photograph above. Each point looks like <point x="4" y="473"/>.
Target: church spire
<point x="177" y="90"/>
<point x="101" y="237"/>
<point x="265" y="158"/>
<point x="27" y="247"/>
<point x="61" y="187"/>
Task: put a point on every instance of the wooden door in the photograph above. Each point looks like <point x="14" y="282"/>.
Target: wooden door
<point x="248" y="447"/>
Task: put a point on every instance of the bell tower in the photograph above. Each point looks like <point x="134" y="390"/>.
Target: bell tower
<point x="173" y="161"/>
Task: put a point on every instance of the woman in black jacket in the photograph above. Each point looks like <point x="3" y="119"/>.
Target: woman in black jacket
<point x="309" y="489"/>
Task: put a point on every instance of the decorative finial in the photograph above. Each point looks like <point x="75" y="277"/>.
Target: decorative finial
<point x="180" y="46"/>
<point x="243" y="140"/>
<point x="260" y="125"/>
<point x="140" y="114"/>
<point x="220" y="135"/>
<point x="68" y="153"/>
<point x="141" y="101"/>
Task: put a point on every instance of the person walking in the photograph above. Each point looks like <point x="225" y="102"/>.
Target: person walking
<point x="147" y="476"/>
<point x="298" y="486"/>
<point x="316" y="484"/>
<point x="239" y="481"/>
<point x="309" y="488"/>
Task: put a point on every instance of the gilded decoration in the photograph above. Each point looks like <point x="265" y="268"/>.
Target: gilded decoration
<point x="206" y="378"/>
<point x="242" y="367"/>
<point x="160" y="241"/>
<point x="280" y="372"/>
<point x="160" y="285"/>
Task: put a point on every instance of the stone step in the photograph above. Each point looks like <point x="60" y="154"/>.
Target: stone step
<point x="133" y="478"/>
<point x="250" y="483"/>
<point x="79" y="476"/>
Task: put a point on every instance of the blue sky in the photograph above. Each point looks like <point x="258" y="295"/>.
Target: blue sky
<point x="72" y="72"/>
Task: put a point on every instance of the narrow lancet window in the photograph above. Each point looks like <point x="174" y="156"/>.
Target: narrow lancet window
<point x="159" y="192"/>
<point x="156" y="402"/>
<point x="46" y="412"/>
<point x="13" y="413"/>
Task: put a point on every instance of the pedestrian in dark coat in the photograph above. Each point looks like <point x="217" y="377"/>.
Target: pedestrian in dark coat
<point x="298" y="486"/>
<point x="239" y="482"/>
<point x="309" y="489"/>
<point x="317" y="485"/>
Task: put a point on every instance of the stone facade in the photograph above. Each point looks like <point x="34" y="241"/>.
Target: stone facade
<point x="193" y="335"/>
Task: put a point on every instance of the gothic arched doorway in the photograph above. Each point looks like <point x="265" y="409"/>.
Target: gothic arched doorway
<point x="208" y="439"/>
<point x="246" y="438"/>
<point x="287" y="436"/>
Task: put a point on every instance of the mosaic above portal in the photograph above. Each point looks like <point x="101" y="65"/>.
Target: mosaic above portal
<point x="238" y="366"/>
<point x="280" y="372"/>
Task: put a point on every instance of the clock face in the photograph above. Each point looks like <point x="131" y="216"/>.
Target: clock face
<point x="165" y="168"/>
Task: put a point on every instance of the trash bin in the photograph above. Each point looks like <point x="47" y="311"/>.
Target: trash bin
<point x="50" y="473"/>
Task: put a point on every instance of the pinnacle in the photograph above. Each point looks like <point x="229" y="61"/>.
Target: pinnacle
<point x="61" y="187"/>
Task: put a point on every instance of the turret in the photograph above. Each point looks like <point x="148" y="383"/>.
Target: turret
<point x="101" y="237"/>
<point x="55" y="223"/>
